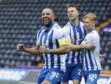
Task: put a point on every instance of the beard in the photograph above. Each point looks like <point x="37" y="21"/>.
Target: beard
<point x="47" y="24"/>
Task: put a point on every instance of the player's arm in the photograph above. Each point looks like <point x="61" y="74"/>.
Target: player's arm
<point x="63" y="40"/>
<point x="88" y="43"/>
<point x="81" y="47"/>
<point x="63" y="43"/>
<point x="33" y="50"/>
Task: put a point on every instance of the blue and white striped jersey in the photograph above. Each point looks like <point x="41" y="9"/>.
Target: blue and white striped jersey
<point x="91" y="59"/>
<point x="77" y="33"/>
<point x="49" y="37"/>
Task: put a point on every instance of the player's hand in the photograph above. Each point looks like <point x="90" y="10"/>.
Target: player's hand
<point x="20" y="47"/>
<point x="43" y="49"/>
<point x="90" y="46"/>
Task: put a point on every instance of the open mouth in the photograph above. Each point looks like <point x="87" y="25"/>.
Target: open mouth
<point x="45" y="19"/>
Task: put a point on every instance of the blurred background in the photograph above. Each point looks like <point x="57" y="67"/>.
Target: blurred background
<point x="21" y="19"/>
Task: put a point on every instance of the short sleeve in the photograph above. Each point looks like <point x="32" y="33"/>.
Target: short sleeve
<point x="90" y="39"/>
<point x="37" y="38"/>
<point x="62" y="37"/>
<point x="60" y="34"/>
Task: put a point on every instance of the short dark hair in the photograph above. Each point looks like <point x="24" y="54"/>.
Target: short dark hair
<point x="56" y="19"/>
<point x="72" y="5"/>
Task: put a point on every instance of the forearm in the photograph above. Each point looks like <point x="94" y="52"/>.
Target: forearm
<point x="76" y="47"/>
<point x="32" y="51"/>
<point x="61" y="50"/>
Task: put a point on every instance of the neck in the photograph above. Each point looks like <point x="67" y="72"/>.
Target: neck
<point x="48" y="25"/>
<point x="89" y="30"/>
<point x="76" y="21"/>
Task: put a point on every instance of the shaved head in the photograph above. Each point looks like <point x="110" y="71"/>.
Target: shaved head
<point x="49" y="10"/>
<point x="47" y="16"/>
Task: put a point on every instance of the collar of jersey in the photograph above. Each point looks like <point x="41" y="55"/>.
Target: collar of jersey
<point x="48" y="28"/>
<point x="74" y="24"/>
<point x="90" y="30"/>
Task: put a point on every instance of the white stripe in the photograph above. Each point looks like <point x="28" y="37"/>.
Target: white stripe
<point x="43" y="54"/>
<point x="88" y="61"/>
<point x="84" y="61"/>
<point x="70" y="56"/>
<point x="49" y="60"/>
<point x="40" y="36"/>
<point x="93" y="60"/>
<point x="63" y="58"/>
<point x="75" y="60"/>
<point x="98" y="62"/>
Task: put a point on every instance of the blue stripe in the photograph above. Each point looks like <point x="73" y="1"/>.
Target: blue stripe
<point x="78" y="57"/>
<point x="39" y="32"/>
<point x="82" y="56"/>
<point x="58" y="56"/>
<point x="51" y="47"/>
<point x="90" y="60"/>
<point x="67" y="58"/>
<point x="75" y="38"/>
<point x="74" y="33"/>
<point x="79" y="29"/>
<point x="86" y="63"/>
<point x="45" y="34"/>
<point x="58" y="61"/>
<point x="41" y="38"/>
<point x="50" y="40"/>
<point x="73" y="57"/>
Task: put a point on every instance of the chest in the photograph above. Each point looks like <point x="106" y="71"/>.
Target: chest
<point x="77" y="33"/>
<point x="47" y="38"/>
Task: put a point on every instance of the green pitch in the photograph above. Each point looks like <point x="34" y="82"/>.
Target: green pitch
<point x="8" y="83"/>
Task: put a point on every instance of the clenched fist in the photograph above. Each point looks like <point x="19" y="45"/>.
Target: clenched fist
<point x="20" y="47"/>
<point x="43" y="49"/>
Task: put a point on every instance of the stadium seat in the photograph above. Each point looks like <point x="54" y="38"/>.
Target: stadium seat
<point x="20" y="20"/>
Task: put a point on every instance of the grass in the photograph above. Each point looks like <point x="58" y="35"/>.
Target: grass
<point x="8" y="83"/>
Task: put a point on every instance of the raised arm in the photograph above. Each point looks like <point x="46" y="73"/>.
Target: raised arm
<point x="33" y="50"/>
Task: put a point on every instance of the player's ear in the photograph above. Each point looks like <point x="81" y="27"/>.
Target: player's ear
<point x="94" y="22"/>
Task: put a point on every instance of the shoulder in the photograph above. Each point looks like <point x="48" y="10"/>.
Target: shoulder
<point x="56" y="29"/>
<point x="66" y="28"/>
<point x="39" y="31"/>
<point x="67" y="24"/>
<point x="81" y="25"/>
<point x="93" y="35"/>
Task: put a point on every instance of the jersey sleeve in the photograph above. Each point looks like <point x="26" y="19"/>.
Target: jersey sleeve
<point x="37" y="38"/>
<point x="62" y="37"/>
<point x="90" y="39"/>
<point x="66" y="30"/>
